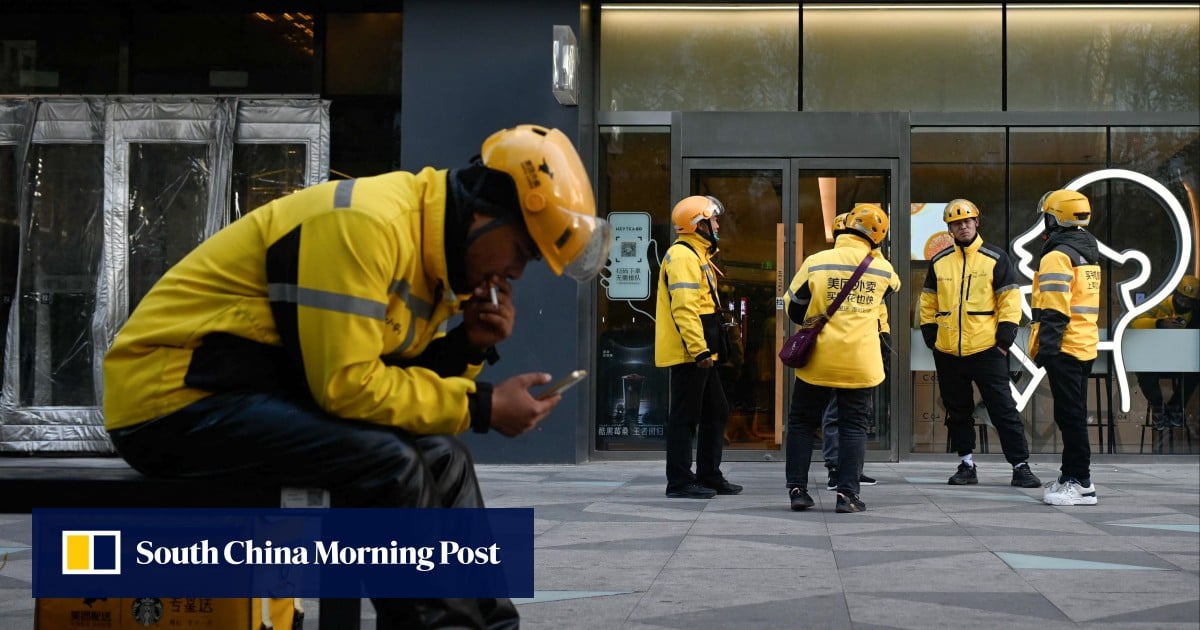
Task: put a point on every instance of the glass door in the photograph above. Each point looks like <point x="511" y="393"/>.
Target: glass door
<point x="777" y="212"/>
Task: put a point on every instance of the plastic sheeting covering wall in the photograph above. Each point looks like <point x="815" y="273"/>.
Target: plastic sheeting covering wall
<point x="99" y="196"/>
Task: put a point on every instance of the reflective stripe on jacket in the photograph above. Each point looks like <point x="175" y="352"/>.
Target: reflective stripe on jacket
<point x="1066" y="305"/>
<point x="685" y="284"/>
<point x="314" y="291"/>
<point x="847" y="352"/>
<point x="968" y="293"/>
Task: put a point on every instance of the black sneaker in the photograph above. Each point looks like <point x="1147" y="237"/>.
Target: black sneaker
<point x="691" y="490"/>
<point x="864" y="480"/>
<point x="800" y="499"/>
<point x="722" y="486"/>
<point x="831" y="485"/>
<point x="1174" y="418"/>
<point x="964" y="476"/>
<point x="1024" y="478"/>
<point x="848" y="502"/>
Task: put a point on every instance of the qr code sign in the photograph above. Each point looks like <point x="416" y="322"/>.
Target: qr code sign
<point x="628" y="249"/>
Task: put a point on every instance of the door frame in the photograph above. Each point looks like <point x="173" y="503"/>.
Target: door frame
<point x="900" y="430"/>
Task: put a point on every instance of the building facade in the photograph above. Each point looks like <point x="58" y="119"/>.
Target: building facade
<point x="788" y="112"/>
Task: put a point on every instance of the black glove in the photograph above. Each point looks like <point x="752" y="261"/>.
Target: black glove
<point x="1006" y="334"/>
<point x="929" y="333"/>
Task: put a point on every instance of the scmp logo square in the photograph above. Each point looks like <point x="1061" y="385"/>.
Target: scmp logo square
<point x="91" y="553"/>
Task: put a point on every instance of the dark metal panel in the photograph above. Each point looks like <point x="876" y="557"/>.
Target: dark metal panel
<point x="463" y="80"/>
<point x="1055" y="119"/>
<point x="791" y="134"/>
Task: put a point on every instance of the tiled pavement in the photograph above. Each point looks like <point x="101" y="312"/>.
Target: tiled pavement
<point x="613" y="552"/>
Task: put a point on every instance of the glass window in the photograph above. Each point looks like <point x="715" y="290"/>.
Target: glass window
<point x="632" y="394"/>
<point x="215" y="52"/>
<point x="884" y="58"/>
<point x="168" y="196"/>
<point x="362" y="53"/>
<point x="9" y="241"/>
<point x="1044" y="159"/>
<point x="59" y="53"/>
<point x="726" y="58"/>
<point x="1171" y="156"/>
<point x="58" y="276"/>
<point x="1121" y="58"/>
<point x="953" y="163"/>
<point x="948" y="163"/>
<point x="263" y="172"/>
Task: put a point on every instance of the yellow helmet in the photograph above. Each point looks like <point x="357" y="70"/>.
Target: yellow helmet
<point x="690" y="211"/>
<point x="556" y="197"/>
<point x="1189" y="286"/>
<point x="958" y="210"/>
<point x="1067" y="208"/>
<point x="839" y="222"/>
<point x="869" y="220"/>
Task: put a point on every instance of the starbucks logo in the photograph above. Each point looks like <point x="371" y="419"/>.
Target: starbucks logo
<point x="147" y="610"/>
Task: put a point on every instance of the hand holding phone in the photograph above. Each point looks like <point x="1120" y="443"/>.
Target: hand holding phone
<point x="563" y="384"/>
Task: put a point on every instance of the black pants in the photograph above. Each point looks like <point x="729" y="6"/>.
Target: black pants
<point x="273" y="439"/>
<point x="804" y="420"/>
<point x="988" y="370"/>
<point x="1183" y="386"/>
<point x="1069" y="385"/>
<point x="697" y="402"/>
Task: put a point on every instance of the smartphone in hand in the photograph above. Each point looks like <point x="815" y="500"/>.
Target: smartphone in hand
<point x="563" y="384"/>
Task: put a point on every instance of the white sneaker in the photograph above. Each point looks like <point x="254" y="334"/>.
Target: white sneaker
<point x="1070" y="493"/>
<point x="1051" y="488"/>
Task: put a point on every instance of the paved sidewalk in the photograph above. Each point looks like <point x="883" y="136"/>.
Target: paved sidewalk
<point x="613" y="552"/>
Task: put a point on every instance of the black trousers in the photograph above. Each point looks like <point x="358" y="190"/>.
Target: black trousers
<point x="698" y="410"/>
<point x="270" y="438"/>
<point x="988" y="370"/>
<point x="804" y="420"/>
<point x="1183" y="386"/>
<point x="1069" y="385"/>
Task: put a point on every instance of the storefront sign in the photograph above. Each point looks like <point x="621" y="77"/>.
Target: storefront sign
<point x="629" y="267"/>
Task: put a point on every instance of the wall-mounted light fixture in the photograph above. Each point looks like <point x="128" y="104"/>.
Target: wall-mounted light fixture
<point x="565" y="83"/>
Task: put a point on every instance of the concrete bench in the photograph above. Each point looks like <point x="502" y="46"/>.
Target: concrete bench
<point x="91" y="482"/>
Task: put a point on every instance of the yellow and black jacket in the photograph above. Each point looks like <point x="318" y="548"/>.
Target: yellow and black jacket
<point x="326" y="292"/>
<point x="847" y="354"/>
<point x="971" y="300"/>
<point x="686" y="283"/>
<point x="1165" y="310"/>
<point x="1066" y="297"/>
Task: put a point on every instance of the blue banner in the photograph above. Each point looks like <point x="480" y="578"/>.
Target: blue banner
<point x="283" y="553"/>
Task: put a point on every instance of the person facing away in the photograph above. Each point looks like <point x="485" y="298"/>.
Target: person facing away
<point x="846" y="362"/>
<point x="305" y="344"/>
<point x="1066" y="306"/>
<point x="829" y="425"/>
<point x="687" y="339"/>
<point x="1176" y="312"/>
<point x="970" y="309"/>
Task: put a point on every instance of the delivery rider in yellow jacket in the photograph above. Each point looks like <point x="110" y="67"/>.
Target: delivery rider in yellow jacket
<point x="1178" y="311"/>
<point x="829" y="423"/>
<point x="306" y="344"/>
<point x="970" y="309"/>
<point x="1066" y="307"/>
<point x="847" y="361"/>
<point x="688" y="339"/>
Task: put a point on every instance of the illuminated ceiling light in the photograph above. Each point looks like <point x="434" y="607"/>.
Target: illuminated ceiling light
<point x="698" y="7"/>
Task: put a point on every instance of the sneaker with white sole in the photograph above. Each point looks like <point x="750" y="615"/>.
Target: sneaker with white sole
<point x="1070" y="493"/>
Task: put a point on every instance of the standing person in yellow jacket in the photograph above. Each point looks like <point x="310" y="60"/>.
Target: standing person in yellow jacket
<point x="846" y="362"/>
<point x="1066" y="307"/>
<point x="305" y="344"/>
<point x="1176" y="312"/>
<point x="970" y="309"/>
<point x="688" y="339"/>
<point x="829" y="423"/>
